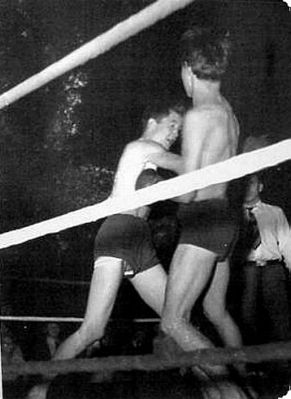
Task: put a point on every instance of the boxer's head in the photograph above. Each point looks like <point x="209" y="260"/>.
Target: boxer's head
<point x="162" y="122"/>
<point x="204" y="53"/>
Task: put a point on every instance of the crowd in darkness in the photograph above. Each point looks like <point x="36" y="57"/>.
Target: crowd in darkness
<point x="121" y="338"/>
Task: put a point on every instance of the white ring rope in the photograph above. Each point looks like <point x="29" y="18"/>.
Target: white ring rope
<point x="230" y="169"/>
<point x="42" y="319"/>
<point x="221" y="172"/>
<point x="102" y="43"/>
<point x="47" y="281"/>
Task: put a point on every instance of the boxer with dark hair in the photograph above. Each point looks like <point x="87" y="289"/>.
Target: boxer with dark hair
<point x="123" y="245"/>
<point x="209" y="225"/>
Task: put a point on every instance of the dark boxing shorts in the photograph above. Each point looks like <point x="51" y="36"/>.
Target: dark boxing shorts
<point x="210" y="224"/>
<point x="128" y="238"/>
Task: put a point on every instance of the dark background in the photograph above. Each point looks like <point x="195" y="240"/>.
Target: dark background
<point x="60" y="145"/>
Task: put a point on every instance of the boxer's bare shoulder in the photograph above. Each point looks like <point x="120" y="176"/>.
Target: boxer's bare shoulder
<point x="133" y="160"/>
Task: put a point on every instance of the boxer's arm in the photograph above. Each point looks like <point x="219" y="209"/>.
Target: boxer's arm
<point x="167" y="160"/>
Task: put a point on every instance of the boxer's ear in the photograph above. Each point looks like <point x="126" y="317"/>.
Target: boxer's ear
<point x="187" y="78"/>
<point x="151" y="124"/>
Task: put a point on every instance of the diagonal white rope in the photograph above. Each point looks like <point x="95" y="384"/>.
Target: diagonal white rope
<point x="230" y="169"/>
<point x="119" y="33"/>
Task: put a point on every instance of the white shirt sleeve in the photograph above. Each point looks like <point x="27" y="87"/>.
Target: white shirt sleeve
<point x="284" y="237"/>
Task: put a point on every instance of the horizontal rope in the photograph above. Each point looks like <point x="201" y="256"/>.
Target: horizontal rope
<point x="230" y="169"/>
<point x="119" y="33"/>
<point x="41" y="319"/>
<point x="203" y="357"/>
<point x="46" y="281"/>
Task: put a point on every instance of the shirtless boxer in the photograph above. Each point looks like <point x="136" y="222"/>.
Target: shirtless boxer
<point x="209" y="228"/>
<point x="123" y="248"/>
<point x="161" y="123"/>
<point x="123" y="245"/>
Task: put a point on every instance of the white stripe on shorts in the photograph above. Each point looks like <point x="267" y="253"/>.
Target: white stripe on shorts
<point x="106" y="261"/>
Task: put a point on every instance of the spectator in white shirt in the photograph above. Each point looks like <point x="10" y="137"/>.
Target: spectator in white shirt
<point x="265" y="302"/>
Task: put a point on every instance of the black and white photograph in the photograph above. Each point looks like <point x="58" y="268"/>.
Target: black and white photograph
<point x="145" y="180"/>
